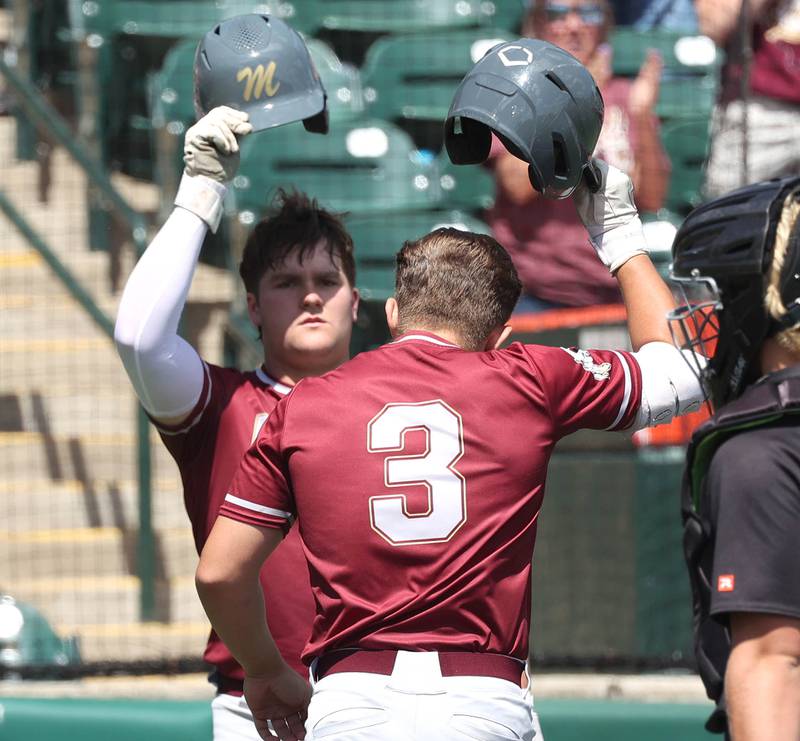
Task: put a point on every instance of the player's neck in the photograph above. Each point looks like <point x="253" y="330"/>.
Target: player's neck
<point x="775" y="357"/>
<point x="290" y="374"/>
<point x="443" y="333"/>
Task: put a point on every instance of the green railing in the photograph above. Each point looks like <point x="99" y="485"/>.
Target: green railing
<point x="47" y="119"/>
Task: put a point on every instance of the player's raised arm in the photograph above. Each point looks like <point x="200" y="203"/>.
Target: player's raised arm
<point x="166" y="372"/>
<point x="669" y="388"/>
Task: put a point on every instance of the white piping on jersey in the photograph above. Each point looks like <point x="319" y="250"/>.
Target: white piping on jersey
<point x="197" y="417"/>
<point x="258" y="507"/>
<point x="626" y="396"/>
<point x="424" y="338"/>
<point x="281" y="388"/>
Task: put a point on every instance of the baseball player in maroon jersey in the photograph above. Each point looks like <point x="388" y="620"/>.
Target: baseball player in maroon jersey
<point x="298" y="271"/>
<point x="416" y="473"/>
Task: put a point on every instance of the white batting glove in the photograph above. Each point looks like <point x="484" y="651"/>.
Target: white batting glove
<point x="210" y="147"/>
<point x="211" y="158"/>
<point x="611" y="218"/>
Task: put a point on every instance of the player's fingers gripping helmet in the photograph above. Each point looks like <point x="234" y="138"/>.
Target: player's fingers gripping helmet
<point x="722" y="259"/>
<point x="541" y="102"/>
<point x="259" y="64"/>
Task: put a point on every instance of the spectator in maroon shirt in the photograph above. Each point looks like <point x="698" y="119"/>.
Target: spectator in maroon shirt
<point x="758" y="115"/>
<point x="545" y="238"/>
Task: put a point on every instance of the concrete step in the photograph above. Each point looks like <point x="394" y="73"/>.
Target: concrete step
<point x="90" y="552"/>
<point x="139" y="641"/>
<point x="103" y="456"/>
<point x="34" y="362"/>
<point x="40" y="504"/>
<point x="74" y="602"/>
<point x="78" y="411"/>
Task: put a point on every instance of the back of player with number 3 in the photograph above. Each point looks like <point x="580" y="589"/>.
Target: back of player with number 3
<point x="417" y="472"/>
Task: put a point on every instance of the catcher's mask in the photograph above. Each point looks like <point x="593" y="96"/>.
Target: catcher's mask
<point x="259" y="64"/>
<point x="722" y="258"/>
<point x="541" y="102"/>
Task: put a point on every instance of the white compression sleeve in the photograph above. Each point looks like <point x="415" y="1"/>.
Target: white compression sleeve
<point x="669" y="386"/>
<point x="166" y="371"/>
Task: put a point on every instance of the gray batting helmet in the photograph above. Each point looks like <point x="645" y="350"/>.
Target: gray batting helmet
<point x="259" y="64"/>
<point x="541" y="102"/>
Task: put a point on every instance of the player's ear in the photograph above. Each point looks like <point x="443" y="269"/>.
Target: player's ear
<point x="252" y="310"/>
<point x="497" y="337"/>
<point x="356" y="300"/>
<point x="392" y="315"/>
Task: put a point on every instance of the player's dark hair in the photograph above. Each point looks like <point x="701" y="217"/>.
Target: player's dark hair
<point x="456" y="280"/>
<point x="294" y="221"/>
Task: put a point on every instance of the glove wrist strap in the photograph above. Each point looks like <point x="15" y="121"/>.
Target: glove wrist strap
<point x="203" y="197"/>
<point x="618" y="245"/>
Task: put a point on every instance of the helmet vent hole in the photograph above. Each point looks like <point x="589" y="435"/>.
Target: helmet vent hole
<point x="248" y="38"/>
<point x="556" y="80"/>
<point x="559" y="159"/>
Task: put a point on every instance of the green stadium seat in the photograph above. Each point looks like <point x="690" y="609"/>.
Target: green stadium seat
<point x="364" y="167"/>
<point x="682" y="98"/>
<point x="377" y="239"/>
<point x="505" y="14"/>
<point x="35" y="642"/>
<point x="413" y="77"/>
<point x="683" y="55"/>
<point x="686" y="143"/>
<point x="465" y="187"/>
<point x="173" y="18"/>
<point x="391" y="16"/>
<point x="691" y="69"/>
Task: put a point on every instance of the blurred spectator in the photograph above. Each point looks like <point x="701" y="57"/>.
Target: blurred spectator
<point x="545" y="237"/>
<point x="758" y="114"/>
<point x="644" y="15"/>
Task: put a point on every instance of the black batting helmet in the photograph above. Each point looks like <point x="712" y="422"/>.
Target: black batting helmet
<point x="727" y="247"/>
<point x="541" y="102"/>
<point x="259" y="64"/>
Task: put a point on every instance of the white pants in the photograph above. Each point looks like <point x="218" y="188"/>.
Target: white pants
<point x="232" y="719"/>
<point x="773" y="145"/>
<point x="416" y="703"/>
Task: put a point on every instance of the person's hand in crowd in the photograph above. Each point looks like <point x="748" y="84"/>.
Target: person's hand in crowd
<point x="645" y="89"/>
<point x="600" y="65"/>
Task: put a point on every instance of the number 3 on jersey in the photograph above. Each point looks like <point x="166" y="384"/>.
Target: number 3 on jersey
<point x="447" y="504"/>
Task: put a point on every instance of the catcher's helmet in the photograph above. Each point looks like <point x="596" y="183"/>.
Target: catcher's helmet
<point x="259" y="64"/>
<point x="542" y="103"/>
<point x="727" y="246"/>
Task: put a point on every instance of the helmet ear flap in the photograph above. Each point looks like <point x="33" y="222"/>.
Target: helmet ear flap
<point x="468" y="142"/>
<point x="535" y="176"/>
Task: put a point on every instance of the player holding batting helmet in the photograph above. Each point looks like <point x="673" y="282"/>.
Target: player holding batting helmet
<point x="260" y="65"/>
<point x="541" y="102"/>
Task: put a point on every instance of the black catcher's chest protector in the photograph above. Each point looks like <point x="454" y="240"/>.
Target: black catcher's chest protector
<point x="763" y="404"/>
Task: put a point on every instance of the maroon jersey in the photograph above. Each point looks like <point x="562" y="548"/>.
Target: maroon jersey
<point x="208" y="447"/>
<point x="417" y="472"/>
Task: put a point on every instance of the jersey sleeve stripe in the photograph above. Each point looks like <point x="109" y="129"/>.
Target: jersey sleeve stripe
<point x="626" y="395"/>
<point x="257" y="507"/>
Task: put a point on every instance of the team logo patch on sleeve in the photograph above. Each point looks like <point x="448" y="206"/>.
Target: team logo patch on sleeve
<point x="726" y="582"/>
<point x="600" y="371"/>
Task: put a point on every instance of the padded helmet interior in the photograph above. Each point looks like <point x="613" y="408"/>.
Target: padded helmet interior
<point x="318" y="123"/>
<point x="471" y="145"/>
